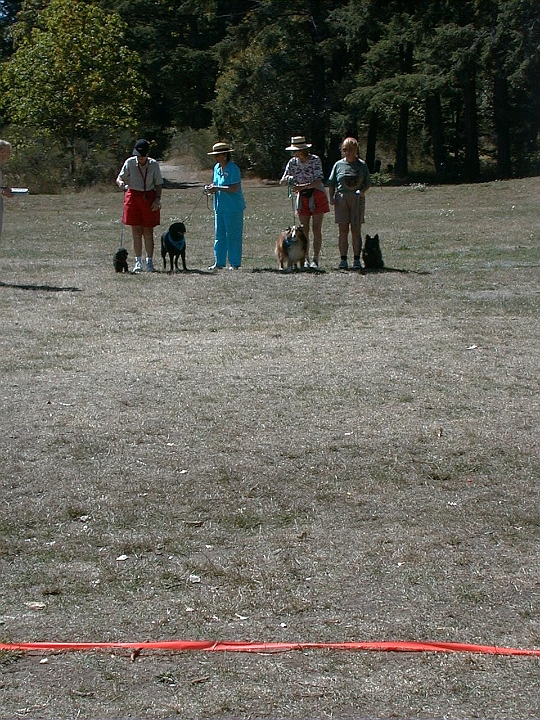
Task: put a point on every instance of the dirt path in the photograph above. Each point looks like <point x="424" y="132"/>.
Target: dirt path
<point x="188" y="175"/>
<point x="182" y="175"/>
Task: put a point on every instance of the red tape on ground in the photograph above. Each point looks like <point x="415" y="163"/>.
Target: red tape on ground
<point x="267" y="647"/>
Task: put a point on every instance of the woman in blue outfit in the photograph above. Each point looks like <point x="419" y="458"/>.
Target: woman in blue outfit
<point x="229" y="208"/>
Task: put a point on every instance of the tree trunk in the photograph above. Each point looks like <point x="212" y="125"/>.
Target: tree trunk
<point x="402" y="164"/>
<point x="318" y="131"/>
<point x="371" y="144"/>
<point x="502" y="126"/>
<point x="72" y="154"/>
<point x="470" y="123"/>
<point x="406" y="67"/>
<point x="434" y="121"/>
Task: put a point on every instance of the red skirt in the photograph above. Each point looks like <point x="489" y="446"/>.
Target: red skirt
<point x="317" y="204"/>
<point x="138" y="209"/>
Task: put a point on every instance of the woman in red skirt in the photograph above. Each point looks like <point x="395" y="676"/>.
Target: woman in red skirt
<point x="140" y="177"/>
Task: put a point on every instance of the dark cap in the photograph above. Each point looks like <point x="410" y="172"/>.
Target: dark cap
<point x="141" y="148"/>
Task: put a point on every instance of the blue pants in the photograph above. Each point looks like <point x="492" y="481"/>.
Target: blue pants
<point x="228" y="242"/>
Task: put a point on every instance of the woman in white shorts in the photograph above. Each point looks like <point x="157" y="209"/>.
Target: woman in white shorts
<point x="5" y="191"/>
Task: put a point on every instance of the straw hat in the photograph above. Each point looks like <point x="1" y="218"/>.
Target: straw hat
<point x="298" y="142"/>
<point x="220" y="147"/>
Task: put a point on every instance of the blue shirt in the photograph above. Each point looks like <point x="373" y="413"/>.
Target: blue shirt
<point x="228" y="202"/>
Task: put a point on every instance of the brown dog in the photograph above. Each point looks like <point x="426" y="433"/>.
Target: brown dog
<point x="291" y="247"/>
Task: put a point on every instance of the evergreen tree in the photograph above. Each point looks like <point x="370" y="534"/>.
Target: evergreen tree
<point x="455" y="81"/>
<point x="274" y="81"/>
<point x="8" y="11"/>
<point x="387" y="89"/>
<point x="511" y="59"/>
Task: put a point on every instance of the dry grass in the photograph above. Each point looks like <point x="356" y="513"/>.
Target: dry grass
<point x="334" y="456"/>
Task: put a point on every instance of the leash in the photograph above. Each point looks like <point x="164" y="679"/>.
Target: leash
<point x="121" y="223"/>
<point x="290" y="194"/>
<point x="197" y="203"/>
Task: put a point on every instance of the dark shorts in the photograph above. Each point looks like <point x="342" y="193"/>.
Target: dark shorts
<point x="137" y="209"/>
<point x="317" y="204"/>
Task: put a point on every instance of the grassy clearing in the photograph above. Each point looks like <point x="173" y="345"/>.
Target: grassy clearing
<point x="316" y="456"/>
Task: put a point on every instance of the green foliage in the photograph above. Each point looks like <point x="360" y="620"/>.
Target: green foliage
<point x="466" y="61"/>
<point x="379" y="179"/>
<point x="193" y="143"/>
<point x="8" y="10"/>
<point x="273" y="82"/>
<point x="452" y="85"/>
<point x="38" y="161"/>
<point x="179" y="66"/>
<point x="43" y="164"/>
<point x="72" y="74"/>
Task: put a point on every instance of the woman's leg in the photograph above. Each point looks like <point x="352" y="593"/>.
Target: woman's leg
<point x="220" y="242"/>
<point x="148" y="234"/>
<point x="304" y="222"/>
<point x="317" y="235"/>
<point x="356" y="225"/>
<point x="343" y="242"/>
<point x="357" y="248"/>
<point x="235" y="226"/>
<point x="137" y="232"/>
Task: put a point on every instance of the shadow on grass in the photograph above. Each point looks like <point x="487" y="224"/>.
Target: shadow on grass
<point x="43" y="288"/>
<point x="189" y="271"/>
<point x="395" y="270"/>
<point x="277" y="271"/>
<point x="320" y="271"/>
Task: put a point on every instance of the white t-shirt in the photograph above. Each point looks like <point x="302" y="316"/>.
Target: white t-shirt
<point x="141" y="177"/>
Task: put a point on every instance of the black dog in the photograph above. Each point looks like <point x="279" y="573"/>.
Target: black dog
<point x="120" y="260"/>
<point x="371" y="253"/>
<point x="173" y="244"/>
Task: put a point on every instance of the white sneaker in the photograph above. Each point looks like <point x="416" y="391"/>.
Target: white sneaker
<point x="149" y="265"/>
<point x="137" y="268"/>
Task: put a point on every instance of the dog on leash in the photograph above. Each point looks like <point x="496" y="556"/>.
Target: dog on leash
<point x="120" y="260"/>
<point x="173" y="244"/>
<point x="371" y="253"/>
<point x="291" y="247"/>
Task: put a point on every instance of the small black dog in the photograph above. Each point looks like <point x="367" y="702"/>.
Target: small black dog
<point x="173" y="244"/>
<point x="120" y="260"/>
<point x="371" y="253"/>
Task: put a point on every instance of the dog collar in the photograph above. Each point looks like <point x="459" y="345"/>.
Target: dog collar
<point x="178" y="244"/>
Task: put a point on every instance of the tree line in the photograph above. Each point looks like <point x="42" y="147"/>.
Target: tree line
<point x="449" y="88"/>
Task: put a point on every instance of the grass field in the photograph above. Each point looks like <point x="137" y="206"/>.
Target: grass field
<point x="252" y="455"/>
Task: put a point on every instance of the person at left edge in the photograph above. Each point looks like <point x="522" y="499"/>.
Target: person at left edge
<point x="5" y="191"/>
<point x="229" y="206"/>
<point x="140" y="177"/>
